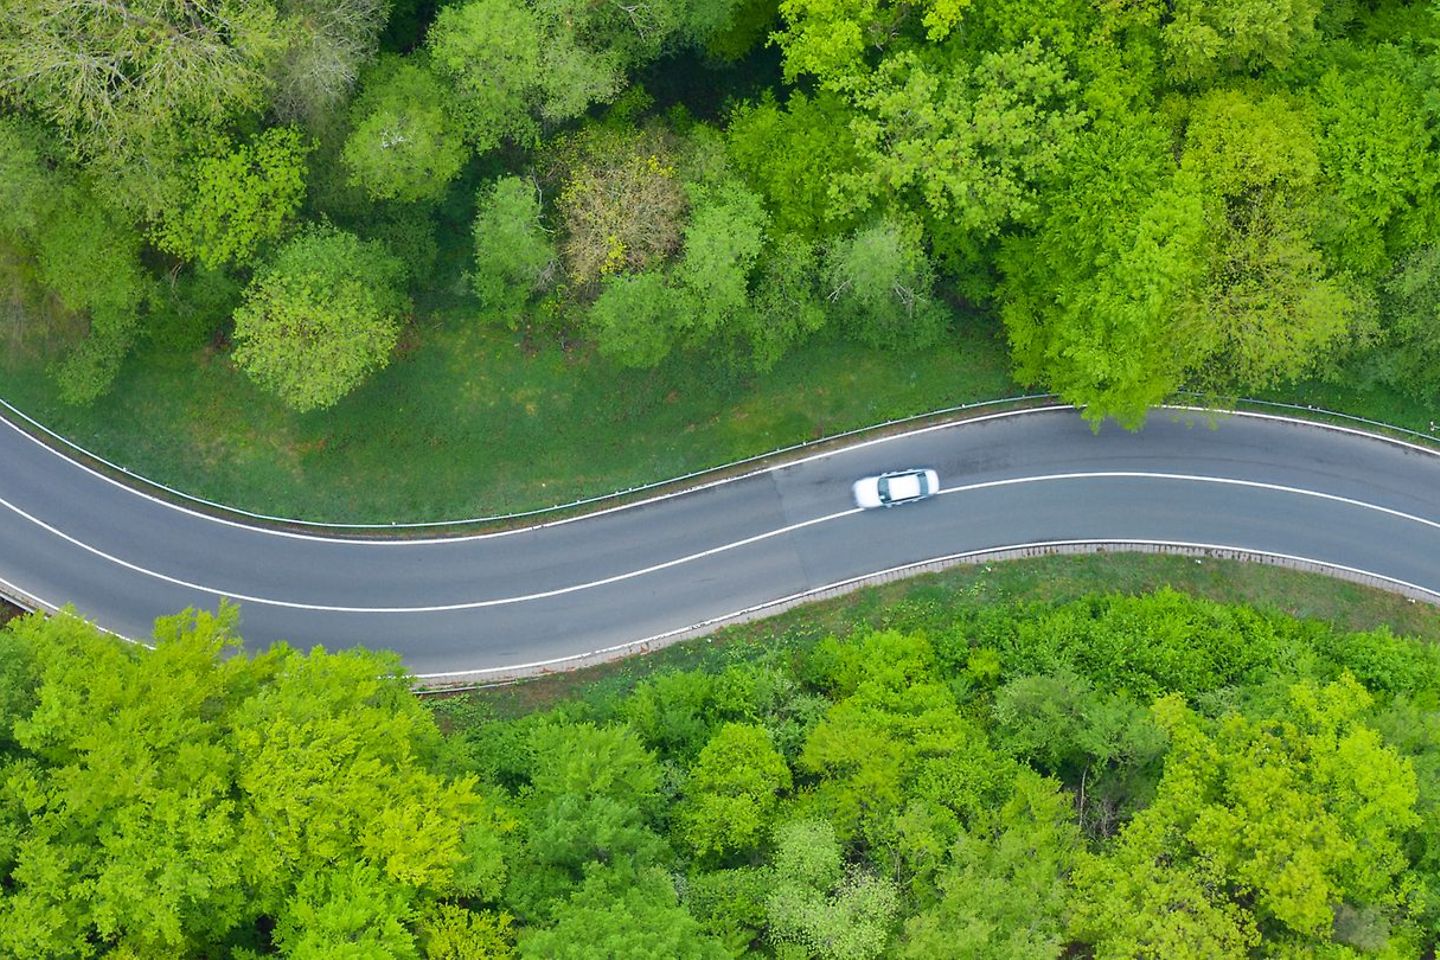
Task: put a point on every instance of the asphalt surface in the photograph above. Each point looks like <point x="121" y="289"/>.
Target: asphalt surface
<point x="68" y="535"/>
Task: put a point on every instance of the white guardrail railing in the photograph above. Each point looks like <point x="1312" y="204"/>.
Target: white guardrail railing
<point x="713" y="471"/>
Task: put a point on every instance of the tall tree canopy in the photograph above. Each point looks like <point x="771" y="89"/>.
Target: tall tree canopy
<point x="320" y="316"/>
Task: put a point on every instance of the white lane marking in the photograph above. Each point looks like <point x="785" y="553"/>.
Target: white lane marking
<point x="1301" y="421"/>
<point x="779" y="531"/>
<point x="435" y="608"/>
<point x="379" y="541"/>
<point x="29" y="601"/>
<point x="406" y="541"/>
<point x="1199" y="478"/>
<point x="1178" y="545"/>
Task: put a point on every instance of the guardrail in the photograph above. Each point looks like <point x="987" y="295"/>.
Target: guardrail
<point x="1324" y="415"/>
<point x="559" y="508"/>
<point x="440" y="684"/>
<point x="1319" y="414"/>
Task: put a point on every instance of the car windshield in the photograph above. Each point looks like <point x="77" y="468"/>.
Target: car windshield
<point x="905" y="487"/>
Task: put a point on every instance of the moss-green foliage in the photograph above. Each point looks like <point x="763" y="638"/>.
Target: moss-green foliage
<point x="404" y="142"/>
<point x="1126" y="776"/>
<point x="1230" y="195"/>
<point x="514" y="256"/>
<point x="321" y="315"/>
<point x="84" y="252"/>
<point x="237" y="199"/>
<point x="1120" y="776"/>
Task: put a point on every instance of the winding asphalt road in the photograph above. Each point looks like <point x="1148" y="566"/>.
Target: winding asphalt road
<point x="69" y="535"/>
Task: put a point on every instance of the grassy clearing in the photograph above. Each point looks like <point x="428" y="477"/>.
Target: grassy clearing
<point x="932" y="600"/>
<point x="469" y="422"/>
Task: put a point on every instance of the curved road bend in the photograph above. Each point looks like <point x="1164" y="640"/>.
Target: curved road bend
<point x="68" y="535"/>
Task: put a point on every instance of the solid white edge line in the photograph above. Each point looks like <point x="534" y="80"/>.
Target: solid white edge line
<point x="919" y="431"/>
<point x="435" y="608"/>
<point x="1180" y="546"/>
<point x="461" y="538"/>
<point x="1301" y="421"/>
<point x="30" y="603"/>
<point x="721" y="548"/>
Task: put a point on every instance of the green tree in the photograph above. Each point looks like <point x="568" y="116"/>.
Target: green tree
<point x="594" y="793"/>
<point x="818" y="909"/>
<point x="834" y="40"/>
<point x="1145" y="647"/>
<point x="403" y="144"/>
<point x="1003" y="891"/>
<point x="634" y="320"/>
<point x="675" y="712"/>
<point x="237" y="199"/>
<point x="622" y="917"/>
<point x="449" y="932"/>
<point x="723" y="242"/>
<point x="1095" y="302"/>
<point x="129" y="824"/>
<point x="514" y="255"/>
<point x="878" y="280"/>
<point x="1205" y="38"/>
<point x="491" y="51"/>
<point x="1376" y="147"/>
<point x="169" y="802"/>
<point x="319" y="317"/>
<point x="794" y="156"/>
<point x="352" y="912"/>
<point x="1269" y="308"/>
<point x="316" y="793"/>
<point x="1256" y="825"/>
<point x="511" y="62"/>
<point x="892" y="722"/>
<point x="89" y="256"/>
<point x="786" y="303"/>
<point x="26" y="179"/>
<point x="84" y="252"/>
<point x="974" y="146"/>
<point x="1412" y="312"/>
<point x="132" y="85"/>
<point x="732" y="791"/>
<point x="730" y="905"/>
<point x="1102" y="745"/>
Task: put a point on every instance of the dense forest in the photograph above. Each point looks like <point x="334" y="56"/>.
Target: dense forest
<point x="1146" y="194"/>
<point x="1152" y="776"/>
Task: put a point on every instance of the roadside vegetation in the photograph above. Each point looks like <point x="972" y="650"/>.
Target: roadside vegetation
<point x="261" y="248"/>
<point x="959" y="766"/>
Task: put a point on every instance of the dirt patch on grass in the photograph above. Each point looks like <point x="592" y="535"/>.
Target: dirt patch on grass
<point x="8" y="612"/>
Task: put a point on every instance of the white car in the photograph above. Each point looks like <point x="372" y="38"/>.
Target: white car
<point x="899" y="486"/>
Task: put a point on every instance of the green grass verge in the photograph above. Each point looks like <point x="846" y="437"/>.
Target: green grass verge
<point x="1379" y="403"/>
<point x="470" y="423"/>
<point x="931" y="601"/>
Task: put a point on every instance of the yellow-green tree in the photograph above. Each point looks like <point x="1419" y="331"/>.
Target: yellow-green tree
<point x="320" y="316"/>
<point x="1272" y="825"/>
